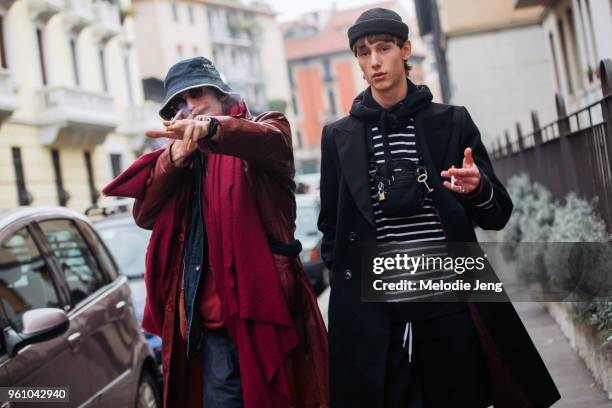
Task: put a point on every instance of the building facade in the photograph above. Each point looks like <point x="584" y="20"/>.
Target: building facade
<point x="244" y="41"/>
<point x="324" y="75"/>
<point x="508" y="58"/>
<point x="71" y="102"/>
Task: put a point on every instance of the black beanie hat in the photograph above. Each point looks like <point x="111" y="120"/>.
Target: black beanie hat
<point x="377" y="21"/>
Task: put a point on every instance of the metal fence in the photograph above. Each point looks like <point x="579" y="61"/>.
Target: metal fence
<point x="571" y="154"/>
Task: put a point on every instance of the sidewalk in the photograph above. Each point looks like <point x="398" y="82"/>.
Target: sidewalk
<point x="576" y="384"/>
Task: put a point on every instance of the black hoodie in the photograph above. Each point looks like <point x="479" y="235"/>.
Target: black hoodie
<point x="366" y="108"/>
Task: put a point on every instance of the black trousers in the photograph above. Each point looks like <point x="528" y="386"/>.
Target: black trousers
<point x="447" y="367"/>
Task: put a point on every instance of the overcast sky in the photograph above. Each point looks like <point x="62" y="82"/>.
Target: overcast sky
<point x="288" y="10"/>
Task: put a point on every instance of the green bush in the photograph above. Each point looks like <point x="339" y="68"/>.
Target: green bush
<point x="579" y="269"/>
<point x="538" y="211"/>
<point x="572" y="265"/>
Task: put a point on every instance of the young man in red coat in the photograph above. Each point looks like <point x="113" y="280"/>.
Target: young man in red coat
<point x="225" y="289"/>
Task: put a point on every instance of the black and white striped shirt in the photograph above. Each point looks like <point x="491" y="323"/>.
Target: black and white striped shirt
<point x="416" y="234"/>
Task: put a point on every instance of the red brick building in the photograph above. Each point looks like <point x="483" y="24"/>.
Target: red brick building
<point x="324" y="74"/>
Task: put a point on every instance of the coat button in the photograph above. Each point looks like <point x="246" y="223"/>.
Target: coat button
<point x="348" y="274"/>
<point x="352" y="236"/>
<point x="181" y="237"/>
<point x="169" y="307"/>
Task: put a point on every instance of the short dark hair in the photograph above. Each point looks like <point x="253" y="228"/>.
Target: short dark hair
<point x="373" y="38"/>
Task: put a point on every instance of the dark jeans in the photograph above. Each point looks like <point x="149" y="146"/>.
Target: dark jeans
<point x="447" y="368"/>
<point x="222" y="386"/>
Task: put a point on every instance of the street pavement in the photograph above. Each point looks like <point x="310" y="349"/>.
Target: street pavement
<point x="576" y="384"/>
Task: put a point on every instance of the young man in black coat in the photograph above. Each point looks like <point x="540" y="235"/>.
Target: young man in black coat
<point x="413" y="354"/>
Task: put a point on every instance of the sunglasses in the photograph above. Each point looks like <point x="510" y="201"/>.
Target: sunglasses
<point x="179" y="103"/>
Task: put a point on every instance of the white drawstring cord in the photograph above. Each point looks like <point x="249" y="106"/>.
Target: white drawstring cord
<point x="408" y="335"/>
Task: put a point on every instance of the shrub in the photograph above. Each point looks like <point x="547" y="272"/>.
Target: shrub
<point x="568" y="265"/>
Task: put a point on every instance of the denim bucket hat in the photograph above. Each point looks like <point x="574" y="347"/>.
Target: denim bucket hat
<point x="190" y="73"/>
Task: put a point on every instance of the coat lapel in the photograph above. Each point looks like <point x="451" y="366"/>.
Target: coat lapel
<point x="353" y="154"/>
<point x="436" y="131"/>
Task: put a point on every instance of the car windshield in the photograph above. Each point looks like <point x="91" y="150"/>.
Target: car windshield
<point x="128" y="244"/>
<point x="306" y="225"/>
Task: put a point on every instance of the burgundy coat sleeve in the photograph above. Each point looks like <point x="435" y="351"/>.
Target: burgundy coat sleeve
<point x="160" y="185"/>
<point x="264" y="141"/>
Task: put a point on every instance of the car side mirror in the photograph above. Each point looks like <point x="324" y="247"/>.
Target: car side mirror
<point x="37" y="325"/>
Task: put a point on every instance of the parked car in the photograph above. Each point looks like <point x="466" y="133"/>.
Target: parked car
<point x="128" y="245"/>
<point x="66" y="316"/>
<point x="307" y="183"/>
<point x="306" y="231"/>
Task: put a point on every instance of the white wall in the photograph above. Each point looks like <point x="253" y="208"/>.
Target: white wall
<point x="500" y="77"/>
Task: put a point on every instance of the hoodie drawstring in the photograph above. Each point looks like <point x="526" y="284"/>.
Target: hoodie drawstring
<point x="408" y="334"/>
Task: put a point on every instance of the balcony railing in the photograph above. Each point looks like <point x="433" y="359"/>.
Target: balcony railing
<point x="79" y="13"/>
<point x="136" y="120"/>
<point x="43" y="10"/>
<point x="108" y="19"/>
<point x="8" y="101"/>
<point x="75" y="116"/>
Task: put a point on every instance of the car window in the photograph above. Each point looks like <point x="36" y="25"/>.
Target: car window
<point x="79" y="265"/>
<point x="128" y="244"/>
<point x="104" y="256"/>
<point x="25" y="280"/>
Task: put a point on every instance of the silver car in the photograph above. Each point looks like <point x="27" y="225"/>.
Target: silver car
<point x="66" y="317"/>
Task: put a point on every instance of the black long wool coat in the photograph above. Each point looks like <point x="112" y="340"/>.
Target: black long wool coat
<point x="358" y="331"/>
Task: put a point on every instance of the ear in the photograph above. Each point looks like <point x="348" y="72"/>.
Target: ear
<point x="406" y="50"/>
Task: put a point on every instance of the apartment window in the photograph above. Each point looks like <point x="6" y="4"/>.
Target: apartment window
<point x="573" y="42"/>
<point x="592" y="29"/>
<point x="3" y="62"/>
<point x="102" y="60"/>
<point x="553" y="51"/>
<point x="295" y="106"/>
<point x="299" y="138"/>
<point x="331" y="97"/>
<point x="93" y="192"/>
<point x="62" y="194"/>
<point x="128" y="76"/>
<point x="190" y="12"/>
<point x="327" y="74"/>
<point x="209" y="13"/>
<point x="564" y="51"/>
<point x="41" y="55"/>
<point x="290" y="74"/>
<point x="116" y="164"/>
<point x="23" y="196"/>
<point x="75" y="61"/>
<point x="175" y="11"/>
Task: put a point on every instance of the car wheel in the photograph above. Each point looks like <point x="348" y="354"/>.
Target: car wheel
<point x="148" y="393"/>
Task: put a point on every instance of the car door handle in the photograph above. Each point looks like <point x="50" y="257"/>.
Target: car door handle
<point x="74" y="337"/>
<point x="120" y="305"/>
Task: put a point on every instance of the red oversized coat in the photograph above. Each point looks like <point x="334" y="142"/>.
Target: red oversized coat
<point x="249" y="187"/>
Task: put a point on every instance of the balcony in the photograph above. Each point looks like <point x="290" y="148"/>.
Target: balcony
<point x="75" y="117"/>
<point x="108" y="19"/>
<point x="43" y="10"/>
<point x="8" y="101"/>
<point x="136" y="120"/>
<point x="78" y="14"/>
